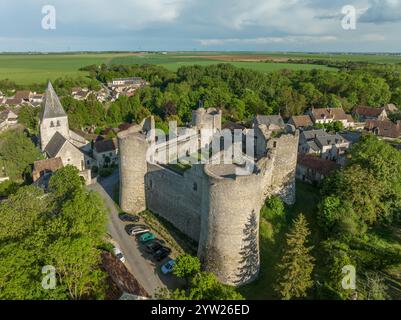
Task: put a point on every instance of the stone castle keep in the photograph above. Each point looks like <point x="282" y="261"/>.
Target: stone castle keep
<point x="211" y="203"/>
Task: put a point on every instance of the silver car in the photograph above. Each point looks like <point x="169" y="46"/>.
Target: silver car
<point x="138" y="230"/>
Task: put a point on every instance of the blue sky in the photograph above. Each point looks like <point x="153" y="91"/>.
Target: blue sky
<point x="248" y="25"/>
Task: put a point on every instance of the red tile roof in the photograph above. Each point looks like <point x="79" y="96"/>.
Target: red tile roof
<point x="106" y="145"/>
<point x="384" y="128"/>
<point x="329" y="113"/>
<point x="23" y="95"/>
<point x="301" y="121"/>
<point x="317" y="164"/>
<point x="368" y="112"/>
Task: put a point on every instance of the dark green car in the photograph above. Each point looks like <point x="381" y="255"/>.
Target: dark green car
<point x="147" y="237"/>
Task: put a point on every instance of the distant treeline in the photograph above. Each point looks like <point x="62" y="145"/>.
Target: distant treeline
<point x="240" y="93"/>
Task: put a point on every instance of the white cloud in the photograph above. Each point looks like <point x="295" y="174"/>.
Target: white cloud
<point x="382" y="11"/>
<point x="121" y="14"/>
<point x="187" y="24"/>
<point x="374" y="37"/>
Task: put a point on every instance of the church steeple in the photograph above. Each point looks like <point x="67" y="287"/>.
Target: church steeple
<point x="52" y="107"/>
<point x="53" y="118"/>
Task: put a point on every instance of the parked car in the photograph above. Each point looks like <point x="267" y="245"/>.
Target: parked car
<point x="136" y="230"/>
<point x="162" y="253"/>
<point x="153" y="246"/>
<point x="129" y="217"/>
<point x="147" y="237"/>
<point x="168" y="267"/>
<point x="118" y="253"/>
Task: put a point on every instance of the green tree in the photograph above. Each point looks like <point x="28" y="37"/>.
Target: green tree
<point x="21" y="214"/>
<point x="64" y="182"/>
<point x="38" y="230"/>
<point x="28" y="117"/>
<point x="18" y="154"/>
<point x="296" y="265"/>
<point x="205" y="286"/>
<point x="8" y="188"/>
<point x="77" y="265"/>
<point x="186" y="266"/>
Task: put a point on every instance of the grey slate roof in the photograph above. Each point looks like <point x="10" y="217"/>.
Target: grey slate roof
<point x="352" y="137"/>
<point x="312" y="134"/>
<point x="268" y="120"/>
<point x="55" y="144"/>
<point x="313" y="145"/>
<point x="330" y="139"/>
<point x="52" y="107"/>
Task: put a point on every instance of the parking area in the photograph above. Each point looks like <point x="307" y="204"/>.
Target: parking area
<point x="140" y="261"/>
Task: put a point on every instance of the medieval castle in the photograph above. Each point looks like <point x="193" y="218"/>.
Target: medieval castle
<point x="210" y="202"/>
<point x="216" y="204"/>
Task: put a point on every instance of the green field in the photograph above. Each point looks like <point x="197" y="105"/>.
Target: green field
<point x="173" y="63"/>
<point x="26" y="69"/>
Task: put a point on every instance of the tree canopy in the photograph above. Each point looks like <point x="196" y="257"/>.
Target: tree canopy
<point x="18" y="154"/>
<point x="37" y="231"/>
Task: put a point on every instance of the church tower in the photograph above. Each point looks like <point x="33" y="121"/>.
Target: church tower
<point x="53" y="118"/>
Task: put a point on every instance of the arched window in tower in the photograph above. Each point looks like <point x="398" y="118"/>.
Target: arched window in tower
<point x="58" y="123"/>
<point x="51" y="124"/>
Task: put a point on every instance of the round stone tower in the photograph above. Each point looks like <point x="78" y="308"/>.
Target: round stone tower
<point x="229" y="240"/>
<point x="133" y="167"/>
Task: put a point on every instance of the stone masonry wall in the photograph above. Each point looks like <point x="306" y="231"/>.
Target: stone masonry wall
<point x="133" y="167"/>
<point x="229" y="242"/>
<point x="177" y="198"/>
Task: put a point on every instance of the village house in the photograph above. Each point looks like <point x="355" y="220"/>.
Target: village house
<point x="25" y="95"/>
<point x="102" y="95"/>
<point x="105" y="152"/>
<point x="307" y="144"/>
<point x="328" y="115"/>
<point x="125" y="86"/>
<point x="274" y="122"/>
<point x="332" y="147"/>
<point x="8" y="118"/>
<point x="390" y="108"/>
<point x="385" y="129"/>
<point x="367" y="113"/>
<point x="13" y="102"/>
<point x="312" y="169"/>
<point x="326" y="145"/>
<point x="43" y="169"/>
<point x="21" y="98"/>
<point x="301" y="122"/>
<point x="134" y="81"/>
<point x="37" y="99"/>
<point x="80" y="93"/>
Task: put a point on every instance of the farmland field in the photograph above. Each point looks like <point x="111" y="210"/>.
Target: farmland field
<point x="27" y="69"/>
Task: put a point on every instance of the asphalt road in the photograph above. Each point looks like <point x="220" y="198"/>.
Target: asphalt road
<point x="139" y="263"/>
